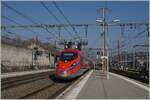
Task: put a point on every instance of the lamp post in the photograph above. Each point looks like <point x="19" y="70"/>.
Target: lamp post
<point x="105" y="64"/>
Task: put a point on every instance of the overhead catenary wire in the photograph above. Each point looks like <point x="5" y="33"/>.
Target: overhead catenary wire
<point x="126" y="42"/>
<point x="11" y="20"/>
<point x="26" y="17"/>
<point x="95" y="41"/>
<point x="51" y="13"/>
<point x="66" y="25"/>
<point x="9" y="32"/>
<point x="65" y="18"/>
<point x="138" y="34"/>
<point x="19" y="13"/>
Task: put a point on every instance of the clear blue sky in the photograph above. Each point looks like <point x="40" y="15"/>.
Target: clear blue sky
<point x="80" y="12"/>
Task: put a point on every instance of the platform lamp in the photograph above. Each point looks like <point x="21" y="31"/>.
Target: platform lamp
<point x="105" y="57"/>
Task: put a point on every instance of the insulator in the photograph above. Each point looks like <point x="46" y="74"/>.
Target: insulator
<point x="134" y="26"/>
<point x="131" y="26"/>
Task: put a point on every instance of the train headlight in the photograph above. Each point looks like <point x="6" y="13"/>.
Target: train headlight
<point x="65" y="72"/>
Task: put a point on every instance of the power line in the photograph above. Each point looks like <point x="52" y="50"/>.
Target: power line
<point x="66" y="25"/>
<point x="25" y="16"/>
<point x="95" y="41"/>
<point x="21" y="25"/>
<point x="15" y="34"/>
<point x="129" y="41"/>
<point x="21" y="14"/>
<point x="51" y="13"/>
<point x="49" y="31"/>
<point x="138" y="34"/>
<point x="11" y="20"/>
<point x="65" y="18"/>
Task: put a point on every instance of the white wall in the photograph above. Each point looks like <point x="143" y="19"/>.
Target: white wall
<point x="16" y="56"/>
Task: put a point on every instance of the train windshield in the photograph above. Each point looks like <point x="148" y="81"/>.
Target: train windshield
<point x="68" y="56"/>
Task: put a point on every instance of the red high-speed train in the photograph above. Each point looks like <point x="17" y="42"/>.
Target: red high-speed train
<point x="72" y="63"/>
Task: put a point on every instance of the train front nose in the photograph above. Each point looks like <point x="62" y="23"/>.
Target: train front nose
<point x="64" y="74"/>
<point x="61" y="72"/>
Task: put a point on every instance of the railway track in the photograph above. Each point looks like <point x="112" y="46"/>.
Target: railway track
<point x="38" y="86"/>
<point x="15" y="81"/>
<point x="131" y="75"/>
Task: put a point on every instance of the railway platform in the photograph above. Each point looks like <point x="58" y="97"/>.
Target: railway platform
<point x="96" y="86"/>
<point x="16" y="74"/>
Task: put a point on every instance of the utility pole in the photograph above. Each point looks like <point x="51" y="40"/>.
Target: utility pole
<point x="55" y="57"/>
<point x="134" y="55"/>
<point x="104" y="42"/>
<point x="59" y="30"/>
<point x="118" y="46"/>
<point x="125" y="60"/>
<point x="86" y="30"/>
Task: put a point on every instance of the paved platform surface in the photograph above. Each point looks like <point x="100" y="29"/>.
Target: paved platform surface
<point x="15" y="74"/>
<point x="97" y="87"/>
